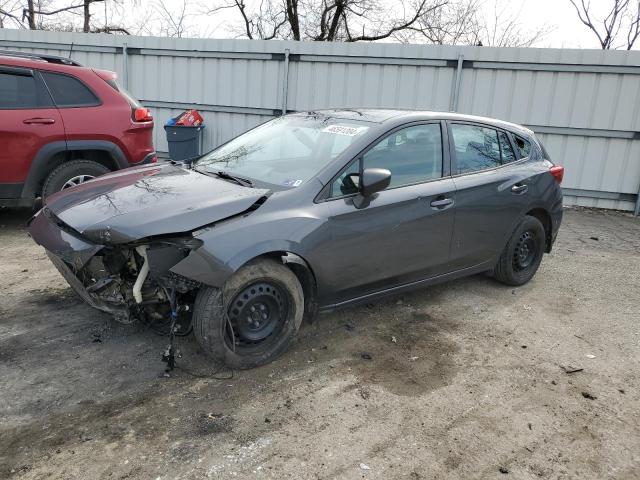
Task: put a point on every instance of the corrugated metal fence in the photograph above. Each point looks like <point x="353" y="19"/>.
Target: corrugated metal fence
<point x="585" y="104"/>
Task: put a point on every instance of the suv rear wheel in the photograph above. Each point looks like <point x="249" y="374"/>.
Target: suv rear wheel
<point x="70" y="174"/>
<point x="253" y="318"/>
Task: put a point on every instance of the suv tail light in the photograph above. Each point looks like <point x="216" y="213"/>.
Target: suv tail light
<point x="142" y="114"/>
<point x="558" y="173"/>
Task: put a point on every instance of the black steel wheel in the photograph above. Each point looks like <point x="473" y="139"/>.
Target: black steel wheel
<point x="256" y="314"/>
<point x="525" y="253"/>
<point x="522" y="255"/>
<point x="253" y="318"/>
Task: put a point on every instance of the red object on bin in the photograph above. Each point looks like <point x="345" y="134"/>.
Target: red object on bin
<point x="190" y="118"/>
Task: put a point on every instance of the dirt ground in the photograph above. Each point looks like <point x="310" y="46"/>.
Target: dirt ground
<point x="464" y="380"/>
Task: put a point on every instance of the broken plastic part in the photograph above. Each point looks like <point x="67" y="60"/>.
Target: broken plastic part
<point x="142" y="275"/>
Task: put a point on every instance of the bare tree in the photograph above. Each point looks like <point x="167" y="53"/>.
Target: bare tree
<point x="172" y="24"/>
<point x="10" y="11"/>
<point x="622" y="20"/>
<point x="330" y="20"/>
<point x="467" y="22"/>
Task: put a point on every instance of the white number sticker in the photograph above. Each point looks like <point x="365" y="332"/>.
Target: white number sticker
<point x="344" y="130"/>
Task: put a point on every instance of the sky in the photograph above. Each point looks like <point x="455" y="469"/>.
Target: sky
<point x="147" y="17"/>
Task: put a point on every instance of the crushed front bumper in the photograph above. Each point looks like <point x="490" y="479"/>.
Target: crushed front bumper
<point x="70" y="253"/>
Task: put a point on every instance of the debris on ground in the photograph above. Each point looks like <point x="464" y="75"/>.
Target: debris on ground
<point x="366" y="356"/>
<point x="588" y="396"/>
<point x="594" y="238"/>
<point x="364" y="466"/>
<point x="569" y="369"/>
<point x="393" y="339"/>
<point x="349" y="327"/>
<point x="364" y="393"/>
<point x="590" y="356"/>
<point x="504" y="470"/>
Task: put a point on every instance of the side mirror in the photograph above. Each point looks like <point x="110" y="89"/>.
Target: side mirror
<point x="372" y="180"/>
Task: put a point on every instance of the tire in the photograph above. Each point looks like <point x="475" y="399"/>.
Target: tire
<point x="222" y="318"/>
<point x="522" y="255"/>
<point x="75" y="169"/>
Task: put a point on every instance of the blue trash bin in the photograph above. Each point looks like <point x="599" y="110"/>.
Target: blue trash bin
<point x="185" y="142"/>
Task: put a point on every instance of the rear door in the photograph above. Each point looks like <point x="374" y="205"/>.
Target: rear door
<point x="28" y="121"/>
<point x="80" y="107"/>
<point x="492" y="190"/>
<point x="404" y="233"/>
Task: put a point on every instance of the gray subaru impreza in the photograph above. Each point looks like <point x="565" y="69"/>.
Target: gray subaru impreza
<point x="305" y="213"/>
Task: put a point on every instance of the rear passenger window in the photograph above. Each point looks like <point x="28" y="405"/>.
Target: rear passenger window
<point x="505" y="149"/>
<point x="17" y="91"/>
<point x="68" y="91"/>
<point x="476" y="148"/>
<point x="524" y="147"/>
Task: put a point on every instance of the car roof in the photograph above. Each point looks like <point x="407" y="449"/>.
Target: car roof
<point x="39" y="61"/>
<point x="384" y="115"/>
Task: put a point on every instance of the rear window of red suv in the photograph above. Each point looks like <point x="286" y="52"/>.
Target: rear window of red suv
<point x="68" y="91"/>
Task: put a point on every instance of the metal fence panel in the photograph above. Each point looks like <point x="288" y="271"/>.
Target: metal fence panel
<point x="585" y="104"/>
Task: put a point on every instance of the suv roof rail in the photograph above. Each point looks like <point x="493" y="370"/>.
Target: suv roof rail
<point x="41" y="56"/>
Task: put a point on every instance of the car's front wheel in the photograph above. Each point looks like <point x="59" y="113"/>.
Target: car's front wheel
<point x="70" y="174"/>
<point x="522" y="255"/>
<point x="253" y="318"/>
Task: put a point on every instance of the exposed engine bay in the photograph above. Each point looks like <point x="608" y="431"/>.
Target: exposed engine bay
<point x="134" y="283"/>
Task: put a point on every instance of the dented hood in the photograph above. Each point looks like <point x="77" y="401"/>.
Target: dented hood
<point x="151" y="200"/>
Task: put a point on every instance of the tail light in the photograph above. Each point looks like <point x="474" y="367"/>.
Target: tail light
<point x="142" y="114"/>
<point x="558" y="173"/>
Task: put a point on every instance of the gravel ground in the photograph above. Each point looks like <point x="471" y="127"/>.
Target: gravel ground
<point x="469" y="379"/>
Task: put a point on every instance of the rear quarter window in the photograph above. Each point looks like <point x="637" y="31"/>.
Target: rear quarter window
<point x="68" y="91"/>
<point x="523" y="146"/>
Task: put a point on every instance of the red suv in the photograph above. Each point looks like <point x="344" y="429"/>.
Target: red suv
<point x="62" y="124"/>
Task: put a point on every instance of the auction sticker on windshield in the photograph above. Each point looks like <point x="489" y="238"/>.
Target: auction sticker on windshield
<point x="344" y="130"/>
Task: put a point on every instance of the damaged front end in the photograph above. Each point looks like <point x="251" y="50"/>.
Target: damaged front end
<point x="131" y="281"/>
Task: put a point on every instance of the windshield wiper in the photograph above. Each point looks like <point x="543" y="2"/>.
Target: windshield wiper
<point x="227" y="176"/>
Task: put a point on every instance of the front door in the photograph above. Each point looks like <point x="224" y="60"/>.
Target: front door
<point x="28" y="121"/>
<point x="404" y="233"/>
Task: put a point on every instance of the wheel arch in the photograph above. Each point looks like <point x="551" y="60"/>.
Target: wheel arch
<point x="545" y="218"/>
<point x="303" y="271"/>
<point x="54" y="154"/>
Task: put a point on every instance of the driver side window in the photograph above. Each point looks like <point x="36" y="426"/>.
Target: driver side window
<point x="412" y="155"/>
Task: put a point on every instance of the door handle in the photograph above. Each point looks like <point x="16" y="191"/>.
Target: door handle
<point x="442" y="202"/>
<point x="39" y="121"/>
<point x="519" y="188"/>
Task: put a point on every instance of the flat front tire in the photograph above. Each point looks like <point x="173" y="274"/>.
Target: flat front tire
<point x="253" y="318"/>
<point x="522" y="255"/>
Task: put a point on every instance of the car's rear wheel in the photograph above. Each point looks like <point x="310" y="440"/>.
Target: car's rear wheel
<point x="253" y="318"/>
<point x="70" y="174"/>
<point x="522" y="255"/>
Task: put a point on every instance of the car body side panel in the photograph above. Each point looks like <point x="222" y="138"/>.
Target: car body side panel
<point x="398" y="238"/>
<point x="230" y="244"/>
<point x="486" y="209"/>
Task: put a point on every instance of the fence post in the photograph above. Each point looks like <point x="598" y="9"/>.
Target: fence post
<point x="285" y="81"/>
<point x="636" y="212"/>
<point x="456" y="84"/>
<point x="125" y="66"/>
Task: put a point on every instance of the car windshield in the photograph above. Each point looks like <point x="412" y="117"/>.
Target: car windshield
<point x="286" y="151"/>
